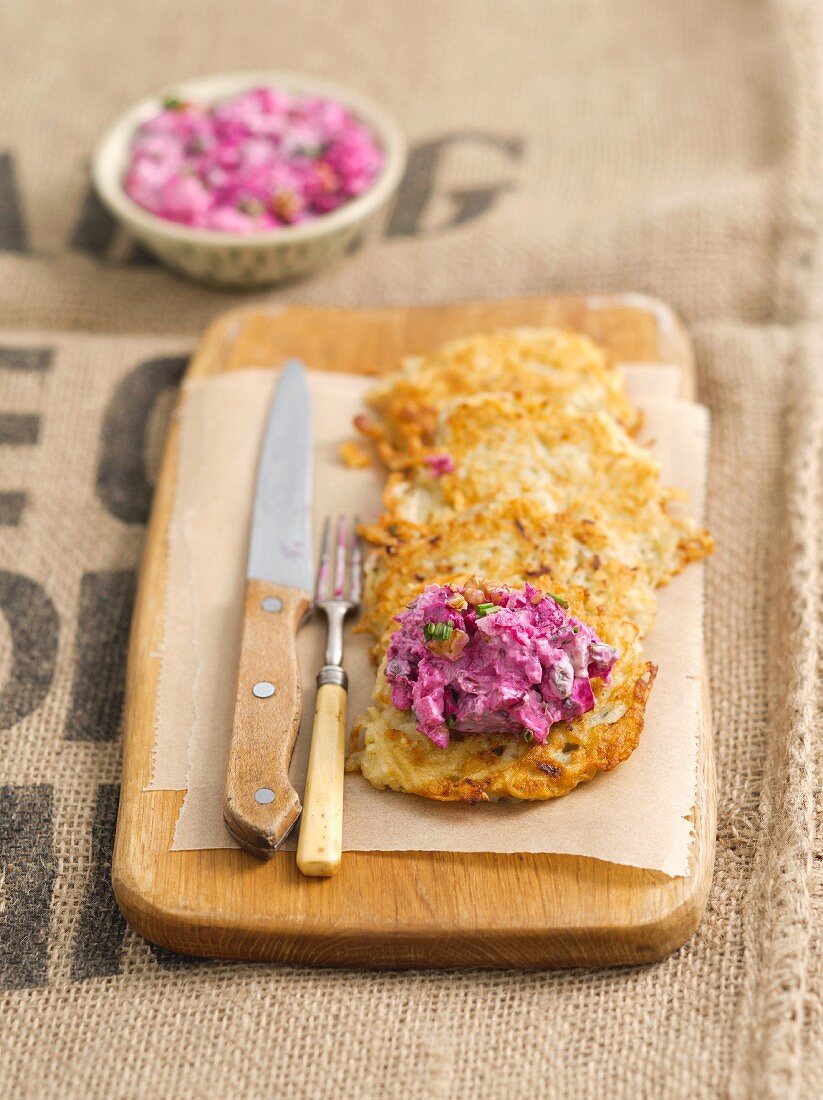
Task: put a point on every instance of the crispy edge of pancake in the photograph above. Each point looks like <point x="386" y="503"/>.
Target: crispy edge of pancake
<point x="485" y="768"/>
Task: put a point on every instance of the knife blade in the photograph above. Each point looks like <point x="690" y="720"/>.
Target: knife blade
<point x="260" y="805"/>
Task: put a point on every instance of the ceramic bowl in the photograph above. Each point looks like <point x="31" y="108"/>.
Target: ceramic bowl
<point x="253" y="259"/>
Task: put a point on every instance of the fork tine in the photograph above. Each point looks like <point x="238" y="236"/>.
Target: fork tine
<point x="356" y="564"/>
<point x="340" y="560"/>
<point x="321" y="590"/>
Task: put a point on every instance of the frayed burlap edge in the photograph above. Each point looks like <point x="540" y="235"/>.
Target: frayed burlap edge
<point x="777" y="910"/>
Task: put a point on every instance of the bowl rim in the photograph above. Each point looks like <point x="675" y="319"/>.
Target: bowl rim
<point x="110" y="152"/>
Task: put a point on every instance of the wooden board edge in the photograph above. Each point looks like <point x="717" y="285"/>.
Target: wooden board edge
<point x="674" y="342"/>
<point x="187" y="932"/>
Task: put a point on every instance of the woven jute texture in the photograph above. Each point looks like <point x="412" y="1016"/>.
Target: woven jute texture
<point x="577" y="146"/>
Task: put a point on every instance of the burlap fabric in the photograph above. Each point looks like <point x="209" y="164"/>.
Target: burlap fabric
<point x="555" y="146"/>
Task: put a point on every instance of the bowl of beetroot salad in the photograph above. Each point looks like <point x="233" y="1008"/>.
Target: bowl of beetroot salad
<point x="246" y="179"/>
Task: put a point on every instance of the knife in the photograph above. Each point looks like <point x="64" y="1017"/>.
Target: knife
<point x="260" y="805"/>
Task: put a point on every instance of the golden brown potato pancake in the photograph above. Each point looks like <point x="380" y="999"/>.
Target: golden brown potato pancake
<point x="586" y="464"/>
<point x="390" y="752"/>
<point x="565" y="367"/>
<point x="513" y="541"/>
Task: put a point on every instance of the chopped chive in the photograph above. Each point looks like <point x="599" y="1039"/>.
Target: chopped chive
<point x="559" y="600"/>
<point x="483" y="609"/>
<point x="451" y="721"/>
<point x="173" y="102"/>
<point x="439" y="632"/>
<point x="528" y="736"/>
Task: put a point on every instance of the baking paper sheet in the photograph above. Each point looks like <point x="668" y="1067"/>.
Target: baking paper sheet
<point x="637" y="814"/>
<point x="175" y="707"/>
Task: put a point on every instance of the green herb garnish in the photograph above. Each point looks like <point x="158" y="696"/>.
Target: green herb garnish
<point x="559" y="600"/>
<point x="483" y="609"/>
<point x="437" y="632"/>
<point x="173" y="103"/>
<point x="528" y="736"/>
<point x="451" y="721"/>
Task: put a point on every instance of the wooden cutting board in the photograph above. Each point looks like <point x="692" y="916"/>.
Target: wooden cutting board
<point x="390" y="909"/>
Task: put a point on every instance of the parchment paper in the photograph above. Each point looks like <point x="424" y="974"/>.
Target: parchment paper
<point x="175" y="706"/>
<point x="645" y="381"/>
<point x="637" y="815"/>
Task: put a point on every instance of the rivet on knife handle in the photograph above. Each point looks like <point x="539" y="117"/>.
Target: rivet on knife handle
<point x="260" y="805"/>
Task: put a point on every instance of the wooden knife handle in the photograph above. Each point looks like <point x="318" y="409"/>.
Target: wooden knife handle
<point x="260" y="805"/>
<point x="320" y="844"/>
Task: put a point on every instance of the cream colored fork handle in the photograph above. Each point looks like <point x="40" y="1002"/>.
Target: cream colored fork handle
<point x="320" y="845"/>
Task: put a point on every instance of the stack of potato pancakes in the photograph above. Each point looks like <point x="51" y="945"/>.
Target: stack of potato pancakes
<point x="511" y="459"/>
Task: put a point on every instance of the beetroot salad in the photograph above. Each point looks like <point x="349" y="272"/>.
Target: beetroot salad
<point x="489" y="659"/>
<point x="264" y="159"/>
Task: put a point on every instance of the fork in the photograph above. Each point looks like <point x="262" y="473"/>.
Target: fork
<point x="320" y="844"/>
